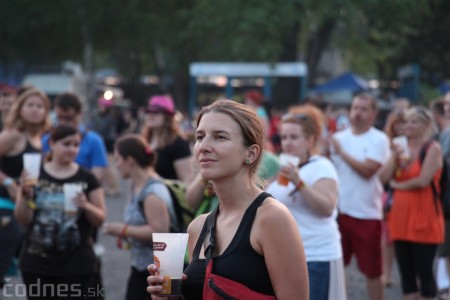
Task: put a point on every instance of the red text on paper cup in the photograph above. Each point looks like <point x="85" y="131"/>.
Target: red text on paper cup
<point x="159" y="246"/>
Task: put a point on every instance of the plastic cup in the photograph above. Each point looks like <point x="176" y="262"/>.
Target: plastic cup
<point x="286" y="159"/>
<point x="169" y="250"/>
<point x="402" y="141"/>
<point x="32" y="164"/>
<point x="71" y="190"/>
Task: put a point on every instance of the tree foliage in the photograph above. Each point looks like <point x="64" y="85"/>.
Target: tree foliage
<point x="163" y="36"/>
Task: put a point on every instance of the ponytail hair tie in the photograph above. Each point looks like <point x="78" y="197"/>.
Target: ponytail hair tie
<point x="148" y="150"/>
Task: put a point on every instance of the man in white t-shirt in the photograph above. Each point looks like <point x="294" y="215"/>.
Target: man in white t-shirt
<point x="358" y="153"/>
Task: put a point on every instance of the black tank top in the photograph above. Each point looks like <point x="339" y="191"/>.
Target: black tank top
<point x="240" y="262"/>
<point x="13" y="165"/>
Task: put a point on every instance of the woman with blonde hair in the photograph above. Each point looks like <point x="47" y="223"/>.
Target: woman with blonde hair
<point x="27" y="120"/>
<point x="416" y="222"/>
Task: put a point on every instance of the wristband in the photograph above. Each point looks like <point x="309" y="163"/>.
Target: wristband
<point x="123" y="238"/>
<point x="300" y="185"/>
<point x="31" y="204"/>
<point x="7" y="181"/>
<point x="124" y="232"/>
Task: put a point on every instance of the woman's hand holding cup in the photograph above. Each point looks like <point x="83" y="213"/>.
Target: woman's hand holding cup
<point x="155" y="282"/>
<point x="287" y="162"/>
<point x="32" y="164"/>
<point x="26" y="189"/>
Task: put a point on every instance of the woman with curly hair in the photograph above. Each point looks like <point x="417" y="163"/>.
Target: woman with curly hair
<point x="311" y="196"/>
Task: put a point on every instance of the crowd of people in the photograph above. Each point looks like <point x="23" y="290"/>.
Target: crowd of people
<point x="356" y="192"/>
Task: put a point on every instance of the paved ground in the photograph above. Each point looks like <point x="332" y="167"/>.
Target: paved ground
<point x="116" y="266"/>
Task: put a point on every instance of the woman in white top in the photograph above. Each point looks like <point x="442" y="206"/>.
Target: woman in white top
<point x="311" y="196"/>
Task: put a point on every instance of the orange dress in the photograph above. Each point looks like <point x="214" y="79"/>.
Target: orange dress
<point x="415" y="215"/>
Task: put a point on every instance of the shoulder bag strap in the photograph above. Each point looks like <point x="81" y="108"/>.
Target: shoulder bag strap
<point x="209" y="239"/>
<point x="422" y="153"/>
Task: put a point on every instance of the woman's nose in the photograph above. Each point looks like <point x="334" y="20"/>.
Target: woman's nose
<point x="204" y="144"/>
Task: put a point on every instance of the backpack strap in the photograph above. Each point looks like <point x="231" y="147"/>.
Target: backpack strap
<point x="422" y="154"/>
<point x="141" y="197"/>
<point x="182" y="213"/>
<point x="424" y="149"/>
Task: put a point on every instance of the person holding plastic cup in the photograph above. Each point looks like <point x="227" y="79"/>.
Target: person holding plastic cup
<point x="310" y="193"/>
<point x="286" y="160"/>
<point x="169" y="252"/>
<point x="149" y="209"/>
<point x="251" y="239"/>
<point x="58" y="249"/>
<point x="416" y="222"/>
<point x="26" y="122"/>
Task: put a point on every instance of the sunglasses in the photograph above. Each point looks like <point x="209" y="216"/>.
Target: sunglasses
<point x="422" y="113"/>
<point x="293" y="117"/>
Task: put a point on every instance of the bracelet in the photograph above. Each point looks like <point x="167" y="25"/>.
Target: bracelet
<point x="124" y="232"/>
<point x="8" y="181"/>
<point x="31" y="204"/>
<point x="125" y="245"/>
<point x="300" y="185"/>
<point x="123" y="238"/>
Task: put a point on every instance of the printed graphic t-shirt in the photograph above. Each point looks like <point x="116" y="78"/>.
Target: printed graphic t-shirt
<point x="58" y="243"/>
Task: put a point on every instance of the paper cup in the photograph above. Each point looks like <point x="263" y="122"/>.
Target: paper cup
<point x="284" y="160"/>
<point x="402" y="141"/>
<point x="70" y="191"/>
<point x="169" y="250"/>
<point x="32" y="164"/>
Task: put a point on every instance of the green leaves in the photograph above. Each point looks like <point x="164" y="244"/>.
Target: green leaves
<point x="164" y="36"/>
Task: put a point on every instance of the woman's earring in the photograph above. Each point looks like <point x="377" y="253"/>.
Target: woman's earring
<point x="247" y="161"/>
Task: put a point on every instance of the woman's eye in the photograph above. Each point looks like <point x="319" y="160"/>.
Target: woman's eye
<point x="198" y="138"/>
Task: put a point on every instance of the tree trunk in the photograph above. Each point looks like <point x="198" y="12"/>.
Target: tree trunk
<point x="88" y="62"/>
<point x="286" y="89"/>
<point x="317" y="43"/>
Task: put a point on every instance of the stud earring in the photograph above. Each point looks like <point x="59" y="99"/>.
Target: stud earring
<point x="247" y="161"/>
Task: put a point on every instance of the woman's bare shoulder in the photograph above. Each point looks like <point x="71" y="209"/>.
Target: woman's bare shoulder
<point x="272" y="224"/>
<point x="271" y="203"/>
<point x="272" y="210"/>
<point x="8" y="139"/>
<point x="10" y="133"/>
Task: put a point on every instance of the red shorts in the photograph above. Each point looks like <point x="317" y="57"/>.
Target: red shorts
<point x="363" y="238"/>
